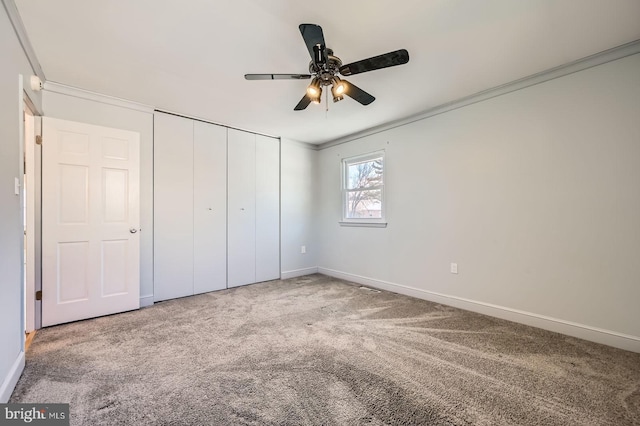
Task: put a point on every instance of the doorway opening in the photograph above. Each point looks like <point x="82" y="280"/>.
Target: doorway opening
<point x="30" y="205"/>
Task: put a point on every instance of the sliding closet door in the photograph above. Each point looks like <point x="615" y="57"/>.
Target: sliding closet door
<point x="173" y="207"/>
<point x="267" y="208"/>
<point x="241" y="208"/>
<point x="209" y="207"/>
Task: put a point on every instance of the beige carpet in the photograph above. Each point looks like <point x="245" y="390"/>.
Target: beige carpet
<point x="320" y="351"/>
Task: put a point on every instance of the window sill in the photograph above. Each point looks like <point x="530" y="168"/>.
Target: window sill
<point x="364" y="224"/>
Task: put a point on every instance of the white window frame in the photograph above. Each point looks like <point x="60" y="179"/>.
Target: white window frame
<point x="362" y="221"/>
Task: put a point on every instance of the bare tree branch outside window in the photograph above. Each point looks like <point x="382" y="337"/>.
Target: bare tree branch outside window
<point x="364" y="181"/>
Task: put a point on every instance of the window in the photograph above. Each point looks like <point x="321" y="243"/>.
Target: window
<point x="363" y="190"/>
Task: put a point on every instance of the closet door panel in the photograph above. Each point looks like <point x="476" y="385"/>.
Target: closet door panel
<point x="209" y="207"/>
<point x="241" y="208"/>
<point x="267" y="208"/>
<point x="173" y="207"/>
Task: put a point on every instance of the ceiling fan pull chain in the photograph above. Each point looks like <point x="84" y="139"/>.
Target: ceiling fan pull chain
<point x="326" y="99"/>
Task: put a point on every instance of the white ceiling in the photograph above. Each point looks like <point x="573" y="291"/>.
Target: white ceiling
<point x="190" y="56"/>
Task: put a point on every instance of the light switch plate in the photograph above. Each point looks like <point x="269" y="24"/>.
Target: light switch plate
<point x="16" y="188"/>
<point x="303" y="249"/>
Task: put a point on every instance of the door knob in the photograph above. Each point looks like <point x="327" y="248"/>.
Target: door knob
<point x="133" y="230"/>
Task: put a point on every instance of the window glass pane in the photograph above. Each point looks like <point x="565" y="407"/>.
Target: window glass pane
<point x="365" y="174"/>
<point x="364" y="204"/>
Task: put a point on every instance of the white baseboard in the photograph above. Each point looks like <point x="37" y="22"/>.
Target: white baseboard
<point x="146" y="301"/>
<point x="9" y="383"/>
<point x="593" y="334"/>
<point x="298" y="273"/>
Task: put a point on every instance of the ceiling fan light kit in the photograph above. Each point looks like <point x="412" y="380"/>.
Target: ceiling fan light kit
<point x="337" y="89"/>
<point x="325" y="67"/>
<point x="314" y="90"/>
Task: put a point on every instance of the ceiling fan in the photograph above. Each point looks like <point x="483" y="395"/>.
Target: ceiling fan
<point x="325" y="67"/>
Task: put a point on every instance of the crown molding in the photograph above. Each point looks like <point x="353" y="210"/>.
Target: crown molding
<point x="609" y="55"/>
<point x="299" y="144"/>
<point x="23" y="38"/>
<point x="63" y="89"/>
<point x="204" y="120"/>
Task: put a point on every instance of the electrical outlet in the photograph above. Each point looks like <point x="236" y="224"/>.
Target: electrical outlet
<point x="303" y="249"/>
<point x="454" y="268"/>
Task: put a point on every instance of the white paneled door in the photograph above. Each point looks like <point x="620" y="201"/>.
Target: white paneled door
<point x="90" y="221"/>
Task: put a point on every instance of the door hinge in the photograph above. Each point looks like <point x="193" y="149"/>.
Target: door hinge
<point x="38" y="139"/>
<point x="39" y="295"/>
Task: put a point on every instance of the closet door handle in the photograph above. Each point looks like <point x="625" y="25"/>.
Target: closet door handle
<point x="133" y="230"/>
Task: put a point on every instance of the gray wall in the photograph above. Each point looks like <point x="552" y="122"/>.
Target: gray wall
<point x="535" y="194"/>
<point x="14" y="63"/>
<point x="74" y="108"/>
<point x="298" y="204"/>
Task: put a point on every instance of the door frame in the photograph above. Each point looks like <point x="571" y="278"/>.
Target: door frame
<point x="28" y="204"/>
<point x="27" y="101"/>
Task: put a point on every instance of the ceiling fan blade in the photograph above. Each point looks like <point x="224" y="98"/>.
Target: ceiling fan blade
<point x="358" y="94"/>
<point x="304" y="102"/>
<point x="386" y="60"/>
<point x="313" y="36"/>
<point x="277" y="76"/>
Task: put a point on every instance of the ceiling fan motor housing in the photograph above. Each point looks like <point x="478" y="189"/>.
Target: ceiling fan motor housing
<point x="325" y="72"/>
